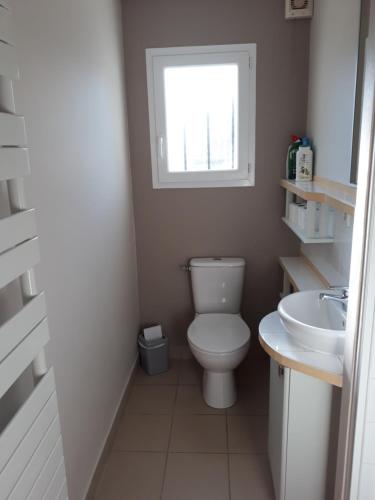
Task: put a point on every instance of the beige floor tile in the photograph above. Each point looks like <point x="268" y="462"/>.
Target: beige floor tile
<point x="247" y="434"/>
<point x="153" y="399"/>
<point x="191" y="372"/>
<point x="167" y="378"/>
<point x="192" y="476"/>
<point x="250" y="478"/>
<point x="190" y="400"/>
<point x="123" y="476"/>
<point x="251" y="400"/>
<point x="143" y="433"/>
<point x="199" y="433"/>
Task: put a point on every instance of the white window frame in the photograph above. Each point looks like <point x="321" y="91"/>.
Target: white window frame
<point x="159" y="58"/>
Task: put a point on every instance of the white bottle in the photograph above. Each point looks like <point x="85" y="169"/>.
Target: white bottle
<point x="304" y="162"/>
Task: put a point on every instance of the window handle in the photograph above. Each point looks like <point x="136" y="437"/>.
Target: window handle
<point x="161" y="147"/>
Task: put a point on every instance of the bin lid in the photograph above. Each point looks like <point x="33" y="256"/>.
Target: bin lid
<point x="151" y="344"/>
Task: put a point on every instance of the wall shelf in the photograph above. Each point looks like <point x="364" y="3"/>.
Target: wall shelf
<point x="296" y="230"/>
<point x="339" y="196"/>
<point x="301" y="274"/>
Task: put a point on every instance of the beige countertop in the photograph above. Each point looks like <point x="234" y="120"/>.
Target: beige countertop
<point x="339" y="196"/>
<point x="281" y="347"/>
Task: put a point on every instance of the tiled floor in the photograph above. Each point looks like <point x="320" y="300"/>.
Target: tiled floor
<point x="171" y="446"/>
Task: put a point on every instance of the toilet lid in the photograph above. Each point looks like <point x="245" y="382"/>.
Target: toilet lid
<point x="218" y="333"/>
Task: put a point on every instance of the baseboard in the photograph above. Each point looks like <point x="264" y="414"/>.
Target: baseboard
<point x="107" y="443"/>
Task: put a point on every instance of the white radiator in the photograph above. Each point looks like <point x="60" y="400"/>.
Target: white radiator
<point x="31" y="453"/>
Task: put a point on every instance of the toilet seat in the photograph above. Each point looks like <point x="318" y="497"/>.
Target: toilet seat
<point x="218" y="333"/>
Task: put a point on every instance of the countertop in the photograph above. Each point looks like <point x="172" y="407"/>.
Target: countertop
<point x="281" y="347"/>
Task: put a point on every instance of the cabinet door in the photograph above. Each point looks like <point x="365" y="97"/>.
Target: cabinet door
<point x="309" y="467"/>
<point x="277" y="430"/>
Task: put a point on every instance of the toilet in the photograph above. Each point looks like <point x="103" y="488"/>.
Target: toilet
<point x="218" y="337"/>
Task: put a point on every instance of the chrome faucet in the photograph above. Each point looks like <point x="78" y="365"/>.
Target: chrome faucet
<point x="341" y="297"/>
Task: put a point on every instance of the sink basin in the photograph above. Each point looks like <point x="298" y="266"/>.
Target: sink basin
<point x="314" y="323"/>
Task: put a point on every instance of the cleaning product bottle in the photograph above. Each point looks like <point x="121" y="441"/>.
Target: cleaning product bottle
<point x="304" y="161"/>
<point x="291" y="157"/>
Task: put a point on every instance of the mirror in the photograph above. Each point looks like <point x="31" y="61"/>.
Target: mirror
<point x="363" y="33"/>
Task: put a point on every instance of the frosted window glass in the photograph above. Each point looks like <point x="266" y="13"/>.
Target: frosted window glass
<point x="202" y="117"/>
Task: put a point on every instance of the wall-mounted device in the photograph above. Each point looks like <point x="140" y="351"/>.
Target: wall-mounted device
<point x="298" y="9"/>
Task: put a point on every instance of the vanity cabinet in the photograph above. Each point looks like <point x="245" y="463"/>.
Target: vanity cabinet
<point x="303" y="424"/>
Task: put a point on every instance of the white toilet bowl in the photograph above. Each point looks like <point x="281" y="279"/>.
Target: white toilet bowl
<point x="219" y="342"/>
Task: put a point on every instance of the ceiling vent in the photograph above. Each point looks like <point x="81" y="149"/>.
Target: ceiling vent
<point x="298" y="9"/>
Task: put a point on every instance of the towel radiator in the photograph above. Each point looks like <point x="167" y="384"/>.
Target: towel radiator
<point x="31" y="455"/>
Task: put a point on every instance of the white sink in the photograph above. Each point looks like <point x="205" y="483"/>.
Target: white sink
<point x="314" y="323"/>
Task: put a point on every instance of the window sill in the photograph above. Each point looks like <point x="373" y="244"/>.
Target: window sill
<point x="212" y="184"/>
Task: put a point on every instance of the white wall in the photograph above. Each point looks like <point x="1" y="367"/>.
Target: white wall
<point x="333" y="59"/>
<point x="333" y="259"/>
<point x="72" y="94"/>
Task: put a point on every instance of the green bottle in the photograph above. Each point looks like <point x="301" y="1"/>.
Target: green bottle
<point x="291" y="157"/>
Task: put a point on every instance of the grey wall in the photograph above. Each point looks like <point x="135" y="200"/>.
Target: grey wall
<point x="332" y="80"/>
<point x="175" y="224"/>
<point x="72" y="95"/>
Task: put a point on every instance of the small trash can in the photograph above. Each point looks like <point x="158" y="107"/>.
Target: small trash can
<point x="153" y="355"/>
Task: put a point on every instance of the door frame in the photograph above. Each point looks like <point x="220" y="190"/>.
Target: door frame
<point x="360" y="342"/>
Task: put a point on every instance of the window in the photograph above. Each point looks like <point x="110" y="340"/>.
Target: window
<point x="202" y="115"/>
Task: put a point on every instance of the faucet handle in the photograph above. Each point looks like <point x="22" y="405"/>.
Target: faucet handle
<point x="343" y="289"/>
<point x="341" y="297"/>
